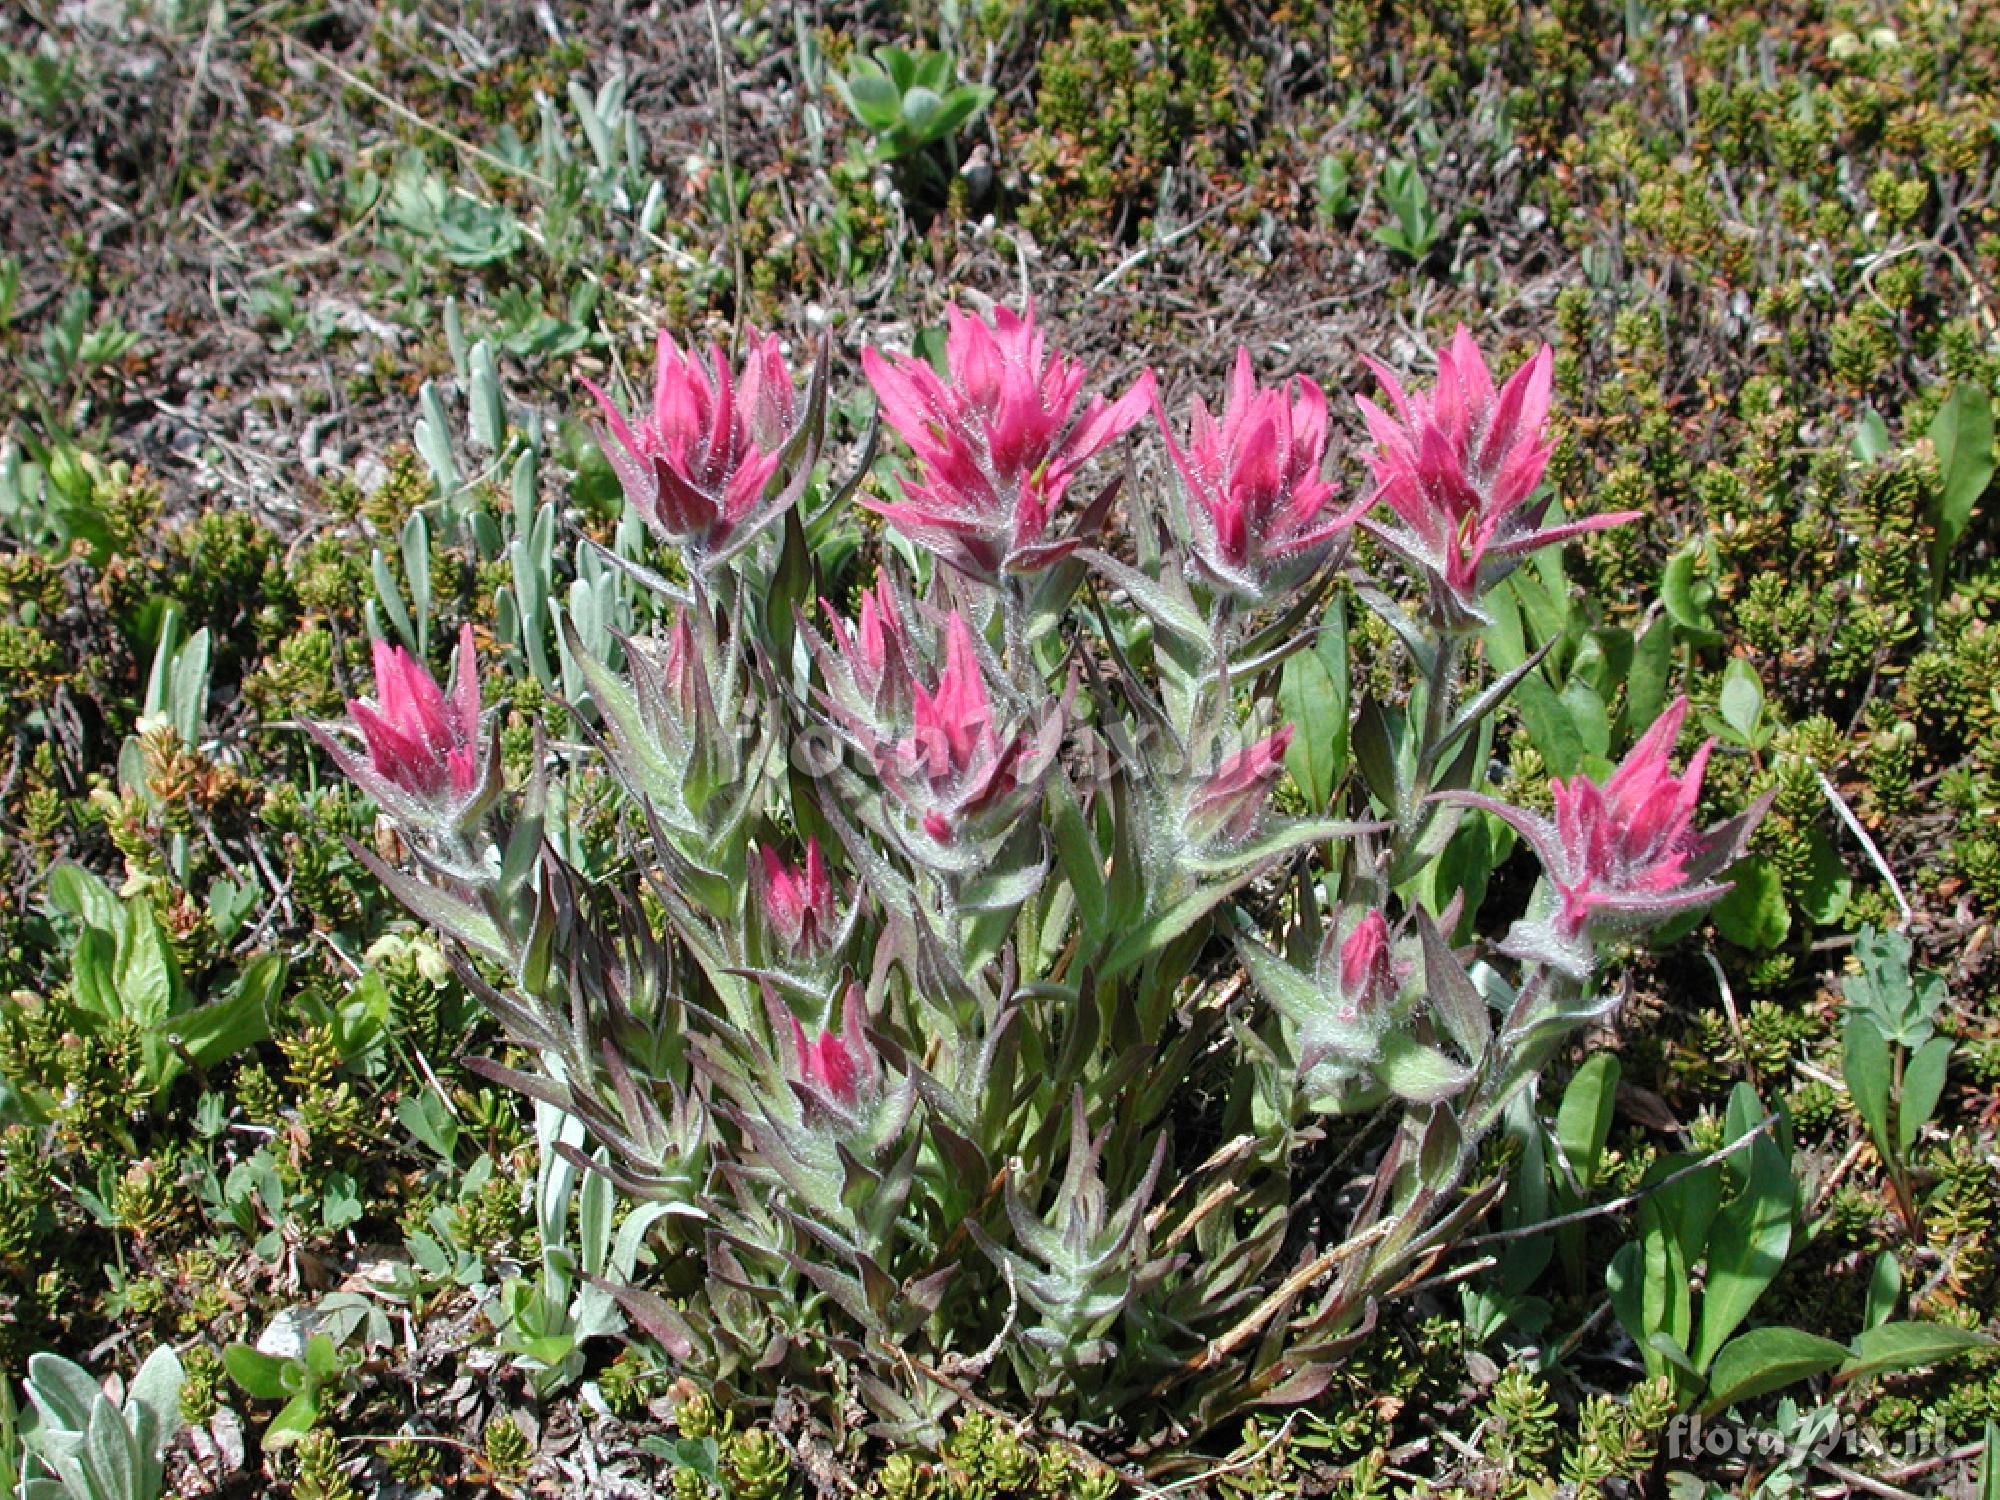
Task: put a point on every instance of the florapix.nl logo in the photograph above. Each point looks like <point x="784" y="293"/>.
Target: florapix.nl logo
<point x="1823" y="1435"/>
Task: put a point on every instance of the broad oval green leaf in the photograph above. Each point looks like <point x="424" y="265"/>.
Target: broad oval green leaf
<point x="1767" y="1359"/>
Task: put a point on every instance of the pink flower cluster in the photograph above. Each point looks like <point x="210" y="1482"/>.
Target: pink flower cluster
<point x="1001" y="437"/>
<point x="1459" y="467"/>
<point x="927" y="721"/>
<point x="1224" y="808"/>
<point x="1261" y="518"/>
<point x="798" y="902"/>
<point x="998" y="446"/>
<point x="699" y="468"/>
<point x="423" y="753"/>
<point x="837" y="1075"/>
<point x="1625" y="853"/>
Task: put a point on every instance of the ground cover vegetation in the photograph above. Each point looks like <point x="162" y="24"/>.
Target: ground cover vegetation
<point x="952" y="750"/>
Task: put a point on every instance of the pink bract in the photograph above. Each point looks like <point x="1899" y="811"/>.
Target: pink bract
<point x="998" y="445"/>
<point x="419" y="740"/>
<point x="1459" y="466"/>
<point x="1258" y="509"/>
<point x="698" y="467"/>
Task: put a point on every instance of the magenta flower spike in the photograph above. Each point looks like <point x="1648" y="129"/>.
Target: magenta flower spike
<point x="998" y="446"/>
<point x="953" y="722"/>
<point x="1225" y="808"/>
<point x="1367" y="972"/>
<point x="842" y="1072"/>
<point x="1258" y="509"/>
<point x="424" y="760"/>
<point x="876" y="652"/>
<point x="1625" y="854"/>
<point x="699" y="468"/>
<point x="798" y="902"/>
<point x="1459" y="467"/>
<point x="1625" y="845"/>
<point x="953" y="764"/>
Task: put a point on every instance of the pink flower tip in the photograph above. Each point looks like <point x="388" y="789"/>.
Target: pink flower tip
<point x="997" y="445"/>
<point x="420" y="741"/>
<point x="1459" y="466"/>
<point x="798" y="902"/>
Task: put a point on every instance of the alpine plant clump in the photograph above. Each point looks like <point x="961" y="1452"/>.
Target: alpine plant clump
<point x="959" y="1001"/>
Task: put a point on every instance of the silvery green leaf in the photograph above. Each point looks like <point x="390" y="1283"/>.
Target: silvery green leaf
<point x="110" y="1456"/>
<point x="417" y="575"/>
<point x="523" y="490"/>
<point x="189" y="687"/>
<point x="594" y="130"/>
<point x="390" y="598"/>
<point x="63" y="1391"/>
<point x="433" y="441"/>
<point x="1418" y="1072"/>
<point x="1165" y="599"/>
<point x="454" y="335"/>
<point x="488" y="407"/>
<point x="654" y="208"/>
<point x="1488" y="701"/>
<point x="1454" y="999"/>
<point x="157" y="1390"/>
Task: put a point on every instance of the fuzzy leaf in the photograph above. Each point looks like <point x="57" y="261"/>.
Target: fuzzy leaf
<point x="1417" y="1072"/>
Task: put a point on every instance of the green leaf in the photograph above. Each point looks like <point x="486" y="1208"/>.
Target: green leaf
<point x="1374" y="745"/>
<point x="1551" y="728"/>
<point x="1871" y="437"/>
<point x="960" y="105"/>
<point x="1755" y="914"/>
<point x="1587" y="716"/>
<point x="1455" y="999"/>
<point x="92" y="964"/>
<point x="921" y="108"/>
<point x="1746" y="1247"/>
<point x="1823" y="898"/>
<point x="77" y="893"/>
<point x="1742" y="700"/>
<point x="1907" y="1346"/>
<point x="259" y="1374"/>
<point x="1865" y="1065"/>
<point x="1885" y="1288"/>
<point x="110" y="1457"/>
<point x="1646" y="681"/>
<point x="293" y="1421"/>
<point x="1962" y="434"/>
<point x="876" y="101"/>
<point x="214" y="1033"/>
<point x="1625" y="1279"/>
<point x="322" y="1359"/>
<point x="156" y="1389"/>
<point x="1313" y="698"/>
<point x="1583" y="1121"/>
<point x="148" y="979"/>
<point x="1689" y="597"/>
<point x="1417" y="1072"/>
<point x="551" y="1349"/>
<point x="1923" y="1085"/>
<point x="1766" y="1359"/>
<point x="62" y="1390"/>
<point x="699" y="1454"/>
